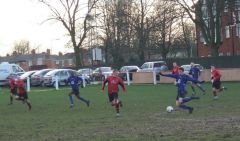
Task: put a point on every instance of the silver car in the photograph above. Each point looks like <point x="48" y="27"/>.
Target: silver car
<point x="37" y="77"/>
<point x="61" y="74"/>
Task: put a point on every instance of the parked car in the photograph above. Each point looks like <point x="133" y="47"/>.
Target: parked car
<point x="129" y="69"/>
<point x="62" y="74"/>
<point x="37" y="77"/>
<point x="26" y="75"/>
<point x="86" y="74"/>
<point x="188" y="67"/>
<point x="100" y="73"/>
<point x="156" y="65"/>
<point x="6" y="69"/>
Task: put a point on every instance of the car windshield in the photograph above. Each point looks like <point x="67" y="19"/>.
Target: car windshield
<point x="106" y="69"/>
<point x="158" y="64"/>
<point x="41" y="71"/>
<point x="26" y="74"/>
<point x="186" y="67"/>
<point x="85" y="71"/>
<point x="52" y="72"/>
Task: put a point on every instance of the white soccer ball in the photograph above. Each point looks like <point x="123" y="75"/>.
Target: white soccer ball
<point x="169" y="109"/>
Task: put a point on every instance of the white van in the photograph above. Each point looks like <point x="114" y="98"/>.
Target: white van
<point x="6" y="69"/>
<point x="150" y="66"/>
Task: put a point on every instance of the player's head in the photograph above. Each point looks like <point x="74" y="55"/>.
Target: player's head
<point x="115" y="72"/>
<point x="192" y="64"/>
<point x="212" y="66"/>
<point x="174" y="64"/>
<point x="181" y="70"/>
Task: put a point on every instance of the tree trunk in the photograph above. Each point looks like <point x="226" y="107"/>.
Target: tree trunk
<point x="77" y="57"/>
<point x="214" y="51"/>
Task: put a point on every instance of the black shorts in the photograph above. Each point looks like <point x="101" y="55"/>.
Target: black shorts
<point x="13" y="91"/>
<point x="75" y="92"/>
<point x="112" y="96"/>
<point x="216" y="84"/>
<point x="23" y="96"/>
<point x="181" y="94"/>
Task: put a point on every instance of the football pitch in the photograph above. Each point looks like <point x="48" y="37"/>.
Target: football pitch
<point x="143" y="116"/>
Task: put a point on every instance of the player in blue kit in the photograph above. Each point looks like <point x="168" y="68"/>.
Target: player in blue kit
<point x="195" y="73"/>
<point x="181" y="85"/>
<point x="74" y="81"/>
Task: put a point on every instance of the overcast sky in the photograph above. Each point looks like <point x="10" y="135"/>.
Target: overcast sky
<point x="21" y="19"/>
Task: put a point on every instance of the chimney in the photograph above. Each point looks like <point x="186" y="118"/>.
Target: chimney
<point x="33" y="51"/>
<point x="60" y="54"/>
<point x="48" y="51"/>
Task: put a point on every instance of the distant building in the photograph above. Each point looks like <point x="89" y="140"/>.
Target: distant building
<point x="230" y="32"/>
<point x="41" y="60"/>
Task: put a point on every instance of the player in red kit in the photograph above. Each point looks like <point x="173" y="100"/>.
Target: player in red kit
<point x="13" y="87"/>
<point x="175" y="68"/>
<point x="22" y="93"/>
<point x="113" y="82"/>
<point x="216" y="82"/>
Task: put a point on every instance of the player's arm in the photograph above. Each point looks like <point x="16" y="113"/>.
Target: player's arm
<point x="169" y="75"/>
<point x="121" y="83"/>
<point x="104" y="83"/>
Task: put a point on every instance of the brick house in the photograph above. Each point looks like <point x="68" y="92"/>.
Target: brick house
<point x="230" y="33"/>
<point x="41" y="60"/>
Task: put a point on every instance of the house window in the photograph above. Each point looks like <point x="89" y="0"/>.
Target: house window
<point x="202" y="38"/>
<point x="238" y="30"/>
<point x="238" y="16"/>
<point x="237" y="4"/>
<point x="226" y="6"/>
<point x="39" y="61"/>
<point x="227" y="31"/>
<point x="30" y="63"/>
<point x="204" y="12"/>
<point x="70" y="61"/>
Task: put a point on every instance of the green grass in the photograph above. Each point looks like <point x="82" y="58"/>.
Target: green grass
<point x="144" y="116"/>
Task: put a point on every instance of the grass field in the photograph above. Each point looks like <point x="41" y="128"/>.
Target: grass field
<point x="143" y="116"/>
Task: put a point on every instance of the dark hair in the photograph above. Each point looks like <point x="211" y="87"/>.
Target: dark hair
<point x="181" y="68"/>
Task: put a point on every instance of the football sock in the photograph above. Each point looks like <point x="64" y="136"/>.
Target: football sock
<point x="71" y="99"/>
<point x="186" y="99"/>
<point x="29" y="105"/>
<point x="117" y="107"/>
<point x="201" y="88"/>
<point x="193" y="89"/>
<point x="83" y="99"/>
<point x="11" y="99"/>
<point x="214" y="93"/>
<point x="185" y="107"/>
<point x="221" y="89"/>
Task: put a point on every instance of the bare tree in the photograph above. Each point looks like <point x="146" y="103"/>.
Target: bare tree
<point x="68" y="12"/>
<point x="143" y="22"/>
<point x="206" y="14"/>
<point x="22" y="47"/>
<point x="165" y="31"/>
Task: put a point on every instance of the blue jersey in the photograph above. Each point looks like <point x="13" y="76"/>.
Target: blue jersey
<point x="181" y="81"/>
<point x="195" y="72"/>
<point x="74" y="81"/>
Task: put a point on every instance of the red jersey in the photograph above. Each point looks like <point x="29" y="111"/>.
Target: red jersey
<point x="11" y="83"/>
<point x="113" y="82"/>
<point x="175" y="70"/>
<point x="215" y="74"/>
<point x="21" y="87"/>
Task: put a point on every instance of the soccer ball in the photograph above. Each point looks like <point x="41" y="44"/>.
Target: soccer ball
<point x="169" y="109"/>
